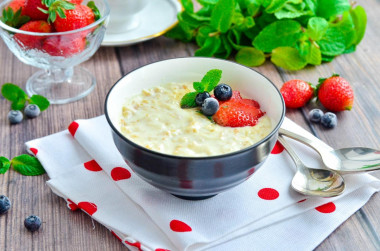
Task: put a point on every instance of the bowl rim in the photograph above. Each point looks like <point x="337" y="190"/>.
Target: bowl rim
<point x="40" y="34"/>
<point x="266" y="138"/>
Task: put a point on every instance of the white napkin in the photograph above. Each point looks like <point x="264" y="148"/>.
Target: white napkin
<point x="262" y="213"/>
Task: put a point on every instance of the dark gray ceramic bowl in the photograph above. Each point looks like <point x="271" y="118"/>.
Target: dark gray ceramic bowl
<point x="195" y="177"/>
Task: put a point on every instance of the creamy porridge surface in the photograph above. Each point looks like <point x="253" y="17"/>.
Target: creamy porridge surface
<point x="155" y="120"/>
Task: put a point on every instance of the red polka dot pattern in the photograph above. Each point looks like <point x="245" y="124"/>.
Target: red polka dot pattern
<point x="268" y="194"/>
<point x="88" y="207"/>
<point x="113" y="233"/>
<point x="278" y="148"/>
<point x="72" y="205"/>
<point x="34" y="151"/>
<point x="179" y="226"/>
<point x="73" y="127"/>
<point x="136" y="244"/>
<point x="326" y="208"/>
<point x="92" y="165"/>
<point x="301" y="201"/>
<point x="120" y="173"/>
<point x="161" y="249"/>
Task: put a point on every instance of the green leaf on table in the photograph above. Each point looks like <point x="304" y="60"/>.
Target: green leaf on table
<point x="314" y="56"/>
<point x="188" y="5"/>
<point x="5" y="164"/>
<point x="327" y="59"/>
<point x="253" y="6"/>
<point x="19" y="104"/>
<point x="282" y="33"/>
<point x="12" y="92"/>
<point x="329" y="9"/>
<point x="225" y="49"/>
<point x="275" y="5"/>
<point x="250" y="56"/>
<point x="40" y="101"/>
<point x="27" y="165"/>
<point x="211" y="79"/>
<point x="203" y="34"/>
<point x="208" y="2"/>
<point x="221" y="17"/>
<point x="333" y="43"/>
<point x="188" y="100"/>
<point x="288" y="58"/>
<point x="359" y="18"/>
<point x="293" y="10"/>
<point x="317" y="27"/>
<point x="210" y="46"/>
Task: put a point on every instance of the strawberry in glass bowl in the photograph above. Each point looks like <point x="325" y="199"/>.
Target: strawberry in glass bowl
<point x="55" y="35"/>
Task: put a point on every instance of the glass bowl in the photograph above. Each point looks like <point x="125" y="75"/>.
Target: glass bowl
<point x="56" y="54"/>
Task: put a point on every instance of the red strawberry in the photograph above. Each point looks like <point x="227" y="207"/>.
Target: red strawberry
<point x="31" y="10"/>
<point x="234" y="113"/>
<point x="297" y="93"/>
<point x="64" y="46"/>
<point x="335" y="93"/>
<point x="250" y="102"/>
<point x="76" y="18"/>
<point x="15" y="5"/>
<point x="33" y="42"/>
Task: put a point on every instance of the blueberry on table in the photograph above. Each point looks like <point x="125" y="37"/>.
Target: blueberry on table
<point x="201" y="97"/>
<point x="315" y="115"/>
<point x="5" y="204"/>
<point x="329" y="120"/>
<point x="32" y="111"/>
<point x="223" y="92"/>
<point x="15" y="117"/>
<point x="32" y="223"/>
<point x="210" y="106"/>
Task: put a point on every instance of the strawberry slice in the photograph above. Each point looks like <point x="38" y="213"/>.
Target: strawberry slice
<point x="235" y="113"/>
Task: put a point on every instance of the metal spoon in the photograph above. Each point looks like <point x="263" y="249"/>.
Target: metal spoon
<point x="311" y="181"/>
<point x="345" y="160"/>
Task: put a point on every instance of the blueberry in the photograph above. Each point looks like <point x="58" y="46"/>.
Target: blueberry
<point x="201" y="97"/>
<point x="210" y="106"/>
<point x="32" y="111"/>
<point x="329" y="120"/>
<point x="223" y="92"/>
<point x="15" y="117"/>
<point x="5" y="204"/>
<point x="32" y="223"/>
<point x="315" y="115"/>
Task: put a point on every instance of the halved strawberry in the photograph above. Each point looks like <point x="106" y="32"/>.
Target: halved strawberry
<point x="29" y="41"/>
<point x="235" y="113"/>
<point x="64" y="46"/>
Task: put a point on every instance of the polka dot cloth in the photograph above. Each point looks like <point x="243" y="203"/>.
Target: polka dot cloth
<point x="263" y="208"/>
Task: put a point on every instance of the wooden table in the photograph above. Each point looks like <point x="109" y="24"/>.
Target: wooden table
<point x="67" y="230"/>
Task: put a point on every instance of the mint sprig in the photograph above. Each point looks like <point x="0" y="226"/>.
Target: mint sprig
<point x="24" y="164"/>
<point x="19" y="98"/>
<point x="293" y="33"/>
<point x="207" y="84"/>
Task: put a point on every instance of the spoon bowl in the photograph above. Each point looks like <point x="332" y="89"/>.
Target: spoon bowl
<point x="345" y="160"/>
<point x="311" y="181"/>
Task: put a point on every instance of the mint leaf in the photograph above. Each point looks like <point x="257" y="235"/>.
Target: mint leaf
<point x="278" y="34"/>
<point x="210" y="46"/>
<point x="359" y="18"/>
<point x="4" y="165"/>
<point x="188" y="101"/>
<point x="329" y="9"/>
<point x="288" y="58"/>
<point x="211" y="79"/>
<point x="27" y="165"/>
<point x="314" y="56"/>
<point x="275" y="5"/>
<point x="221" y="17"/>
<point x="19" y="104"/>
<point x="40" y="101"/>
<point x="12" y="92"/>
<point x="198" y="86"/>
<point x="333" y="43"/>
<point x="188" y="5"/>
<point x="94" y="9"/>
<point x="250" y="56"/>
<point x="317" y="27"/>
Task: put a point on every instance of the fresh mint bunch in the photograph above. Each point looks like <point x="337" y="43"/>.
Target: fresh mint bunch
<point x="293" y="33"/>
<point x="207" y="84"/>
<point x="19" y="98"/>
<point x="24" y="164"/>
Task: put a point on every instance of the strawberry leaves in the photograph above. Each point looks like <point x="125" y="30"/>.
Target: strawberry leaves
<point x="94" y="9"/>
<point x="15" y="20"/>
<point x="207" y="84"/>
<point x="56" y="7"/>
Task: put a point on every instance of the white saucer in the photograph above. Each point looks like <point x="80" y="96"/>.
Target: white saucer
<point x="157" y="17"/>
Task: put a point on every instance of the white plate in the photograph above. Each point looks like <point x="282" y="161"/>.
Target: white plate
<point x="157" y="17"/>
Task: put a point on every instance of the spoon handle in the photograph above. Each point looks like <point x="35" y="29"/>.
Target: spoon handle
<point x="290" y="151"/>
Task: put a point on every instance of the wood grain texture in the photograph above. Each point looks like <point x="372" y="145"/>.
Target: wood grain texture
<point x="66" y="230"/>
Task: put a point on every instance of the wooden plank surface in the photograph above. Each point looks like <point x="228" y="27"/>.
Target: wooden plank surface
<point x="66" y="230"/>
